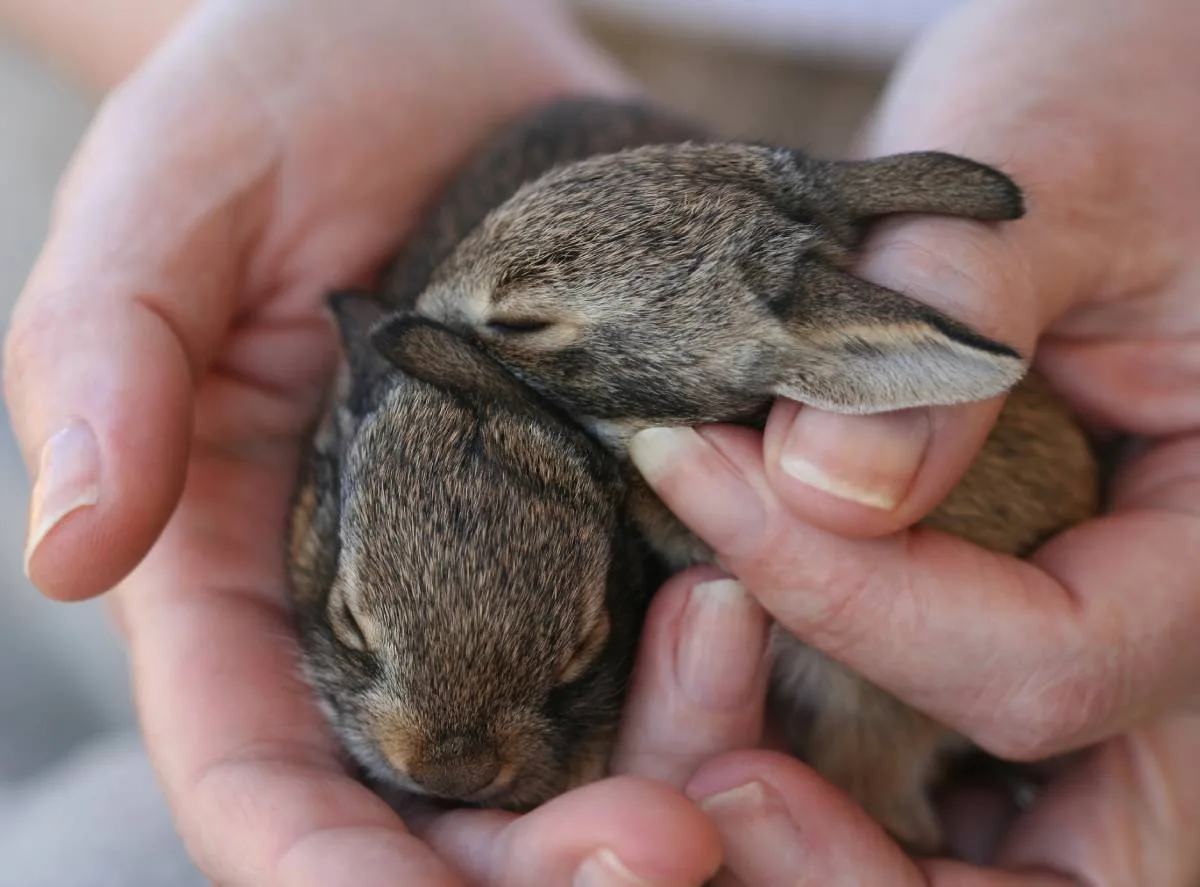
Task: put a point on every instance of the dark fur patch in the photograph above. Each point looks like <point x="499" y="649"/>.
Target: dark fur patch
<point x="962" y="333"/>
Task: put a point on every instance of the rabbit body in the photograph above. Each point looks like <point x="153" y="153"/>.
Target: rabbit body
<point x="630" y="270"/>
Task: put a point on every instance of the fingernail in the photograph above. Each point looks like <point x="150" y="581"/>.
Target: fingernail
<point x="755" y="825"/>
<point x="605" y="869"/>
<point x="871" y="460"/>
<point x="743" y="798"/>
<point x="722" y="636"/>
<point x="68" y="479"/>
<point x="752" y="801"/>
<point x="656" y="451"/>
<point x="701" y="485"/>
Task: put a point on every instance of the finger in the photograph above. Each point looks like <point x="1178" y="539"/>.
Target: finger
<point x="620" y="832"/>
<point x="120" y="316"/>
<point x="869" y="476"/>
<point x="372" y="857"/>
<point x="700" y="684"/>
<point x="1063" y="669"/>
<point x="782" y="825"/>
<point x="1125" y="814"/>
<point x="875" y="474"/>
<point x="1141" y="387"/>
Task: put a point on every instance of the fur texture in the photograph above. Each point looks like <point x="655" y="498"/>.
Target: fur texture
<point x="469" y="587"/>
<point x="685" y="283"/>
<point x="633" y="271"/>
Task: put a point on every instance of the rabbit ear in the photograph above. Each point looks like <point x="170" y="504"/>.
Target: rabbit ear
<point x="861" y="348"/>
<point x="428" y="351"/>
<point x="920" y="182"/>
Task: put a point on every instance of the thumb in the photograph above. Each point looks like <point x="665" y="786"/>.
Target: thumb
<point x="868" y="475"/>
<point x="959" y="89"/>
<point x="122" y="313"/>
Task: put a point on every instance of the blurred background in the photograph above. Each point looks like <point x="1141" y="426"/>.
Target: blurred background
<point x="805" y="72"/>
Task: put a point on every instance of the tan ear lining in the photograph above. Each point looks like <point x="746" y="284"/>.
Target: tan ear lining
<point x="893" y="366"/>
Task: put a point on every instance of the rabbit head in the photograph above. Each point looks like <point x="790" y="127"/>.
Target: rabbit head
<point x="677" y="284"/>
<point x="469" y="597"/>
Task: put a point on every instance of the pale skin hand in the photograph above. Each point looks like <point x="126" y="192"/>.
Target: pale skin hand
<point x="1123" y="814"/>
<point x="1098" y="632"/>
<point x="171" y="347"/>
<point x="259" y="796"/>
<point x="1091" y="106"/>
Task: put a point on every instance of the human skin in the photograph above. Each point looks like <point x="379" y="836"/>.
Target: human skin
<point x="1123" y="813"/>
<point x="288" y="146"/>
<point x="171" y="347"/>
<point x="1091" y="106"/>
<point x="1096" y="631"/>
<point x="96" y="44"/>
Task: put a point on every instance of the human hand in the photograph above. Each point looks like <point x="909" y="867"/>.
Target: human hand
<point x="167" y="357"/>
<point x="1096" y="632"/>
<point x="1122" y="814"/>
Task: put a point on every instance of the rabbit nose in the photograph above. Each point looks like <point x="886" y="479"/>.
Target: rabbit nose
<point x="456" y="766"/>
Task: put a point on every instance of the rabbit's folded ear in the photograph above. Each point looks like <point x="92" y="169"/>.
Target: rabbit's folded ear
<point x="860" y="348"/>
<point x="921" y="182"/>
<point x="426" y="350"/>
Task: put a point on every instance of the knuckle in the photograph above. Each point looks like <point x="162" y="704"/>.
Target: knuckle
<point x="845" y="617"/>
<point x="834" y="604"/>
<point x="1058" y="709"/>
<point x="21" y="345"/>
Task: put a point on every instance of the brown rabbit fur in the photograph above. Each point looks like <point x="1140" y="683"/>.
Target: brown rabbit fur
<point x="469" y="588"/>
<point x="635" y="273"/>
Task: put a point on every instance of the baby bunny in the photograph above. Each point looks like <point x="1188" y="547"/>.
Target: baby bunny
<point x="695" y="281"/>
<point x="685" y="283"/>
<point x="467" y="585"/>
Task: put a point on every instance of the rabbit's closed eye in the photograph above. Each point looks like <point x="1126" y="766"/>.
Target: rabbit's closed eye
<point x="517" y="326"/>
<point x="589" y="648"/>
<point x="346" y="625"/>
